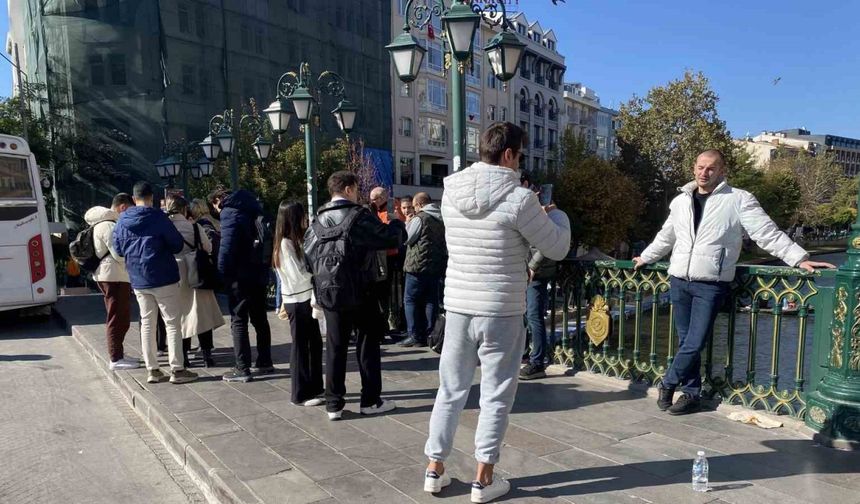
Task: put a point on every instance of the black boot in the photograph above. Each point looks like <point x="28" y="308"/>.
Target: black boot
<point x="664" y="398"/>
<point x="208" y="361"/>
<point x="686" y="404"/>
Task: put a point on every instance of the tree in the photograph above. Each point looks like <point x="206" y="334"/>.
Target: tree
<point x="672" y="124"/>
<point x="841" y="211"/>
<point x="603" y="203"/>
<point x="777" y="190"/>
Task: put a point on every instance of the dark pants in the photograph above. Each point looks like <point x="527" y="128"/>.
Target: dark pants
<point x="205" y="340"/>
<point x="339" y="325"/>
<point x="536" y="300"/>
<point x="160" y="334"/>
<point x="306" y="375"/>
<point x="248" y="301"/>
<point x="118" y="307"/>
<point x="421" y="301"/>
<point x="695" y="305"/>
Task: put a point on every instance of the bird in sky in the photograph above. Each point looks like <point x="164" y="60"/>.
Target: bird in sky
<point x="555" y="2"/>
<point x="776" y="81"/>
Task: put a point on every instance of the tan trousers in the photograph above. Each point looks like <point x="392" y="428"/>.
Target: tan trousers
<point x="167" y="300"/>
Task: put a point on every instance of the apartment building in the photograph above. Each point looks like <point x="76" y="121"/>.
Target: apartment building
<point x="586" y="118"/>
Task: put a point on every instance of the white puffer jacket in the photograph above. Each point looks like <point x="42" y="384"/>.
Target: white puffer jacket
<point x="489" y="223"/>
<point x="712" y="253"/>
<point x="112" y="267"/>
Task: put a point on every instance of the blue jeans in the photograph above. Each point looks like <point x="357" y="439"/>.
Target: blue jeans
<point x="695" y="306"/>
<point x="421" y="303"/>
<point x="536" y="300"/>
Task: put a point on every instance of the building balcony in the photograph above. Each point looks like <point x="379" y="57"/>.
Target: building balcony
<point x="432" y="180"/>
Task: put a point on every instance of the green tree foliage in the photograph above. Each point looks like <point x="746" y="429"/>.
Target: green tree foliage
<point x="672" y="124"/>
<point x="842" y="209"/>
<point x="603" y="203"/>
<point x="818" y="178"/>
<point x="777" y="190"/>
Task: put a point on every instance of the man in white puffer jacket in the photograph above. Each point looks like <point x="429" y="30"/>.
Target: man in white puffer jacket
<point x="490" y="221"/>
<point x="704" y="232"/>
<point x="112" y="278"/>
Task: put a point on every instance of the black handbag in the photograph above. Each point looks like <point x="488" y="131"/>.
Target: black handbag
<point x="202" y="270"/>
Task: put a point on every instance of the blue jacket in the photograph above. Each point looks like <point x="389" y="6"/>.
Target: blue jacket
<point x="236" y="258"/>
<point x="147" y="240"/>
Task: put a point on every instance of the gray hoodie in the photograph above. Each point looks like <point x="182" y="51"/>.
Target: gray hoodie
<point x="490" y="221"/>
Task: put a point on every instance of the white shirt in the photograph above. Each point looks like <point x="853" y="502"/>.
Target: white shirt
<point x="296" y="286"/>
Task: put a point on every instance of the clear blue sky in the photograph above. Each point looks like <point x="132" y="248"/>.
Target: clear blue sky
<point x="623" y="47"/>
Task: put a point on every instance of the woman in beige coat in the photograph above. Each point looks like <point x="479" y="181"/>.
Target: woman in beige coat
<point x="201" y="313"/>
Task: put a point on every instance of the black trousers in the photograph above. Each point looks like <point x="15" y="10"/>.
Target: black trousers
<point x="306" y="374"/>
<point x="248" y="302"/>
<point x="339" y="325"/>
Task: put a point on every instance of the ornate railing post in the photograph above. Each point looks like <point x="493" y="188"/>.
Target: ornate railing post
<point x="833" y="408"/>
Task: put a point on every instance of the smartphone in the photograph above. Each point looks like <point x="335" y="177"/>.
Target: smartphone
<point x="545" y="194"/>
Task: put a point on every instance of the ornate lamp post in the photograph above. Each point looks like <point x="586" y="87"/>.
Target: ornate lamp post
<point x="459" y="23"/>
<point x="305" y="93"/>
<point x="833" y="409"/>
<point x="176" y="160"/>
<point x="222" y="141"/>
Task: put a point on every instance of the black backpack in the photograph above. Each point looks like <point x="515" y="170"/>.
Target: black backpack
<point x="339" y="278"/>
<point x="264" y="241"/>
<point x="83" y="249"/>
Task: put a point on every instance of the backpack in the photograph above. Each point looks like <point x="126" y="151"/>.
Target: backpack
<point x="436" y="338"/>
<point x="339" y="280"/>
<point x="264" y="241"/>
<point x="83" y="249"/>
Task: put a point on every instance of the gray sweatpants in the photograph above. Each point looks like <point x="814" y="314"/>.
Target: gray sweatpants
<point x="497" y="342"/>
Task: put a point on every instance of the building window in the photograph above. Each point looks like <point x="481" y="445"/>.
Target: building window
<point x="473" y="106"/>
<point x="432" y="95"/>
<point x="538" y="137"/>
<point x="536" y="164"/>
<point x="117" y="69"/>
<point x="187" y="80"/>
<point x="406" y="167"/>
<point x="491" y="112"/>
<point x="550" y="44"/>
<point x="491" y="79"/>
<point x="258" y="40"/>
<point x="525" y="69"/>
<point x="553" y="136"/>
<point x="504" y="115"/>
<point x="524" y="101"/>
<point x="405" y="90"/>
<point x="473" y="138"/>
<point x="245" y="37"/>
<point x="553" y="110"/>
<point x="432" y="175"/>
<point x="435" y="59"/>
<point x="184" y="22"/>
<point x="538" y="106"/>
<point x="97" y="70"/>
<point x="521" y="29"/>
<point x="473" y="73"/>
<point x="405" y="128"/>
<point x="433" y="133"/>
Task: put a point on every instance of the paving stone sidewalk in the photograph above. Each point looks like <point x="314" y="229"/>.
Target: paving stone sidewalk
<point x="581" y="438"/>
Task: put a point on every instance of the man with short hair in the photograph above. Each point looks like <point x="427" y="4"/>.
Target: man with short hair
<point x="243" y="269"/>
<point x="112" y="278"/>
<point x="426" y="259"/>
<point x="383" y="290"/>
<point x="490" y="220"/>
<point x="146" y="238"/>
<point x="339" y="248"/>
<point x="406" y="206"/>
<point x="704" y="232"/>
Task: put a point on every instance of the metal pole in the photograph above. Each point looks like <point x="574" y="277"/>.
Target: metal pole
<point x="25" y="119"/>
<point x="310" y="166"/>
<point x="234" y="169"/>
<point x="458" y="90"/>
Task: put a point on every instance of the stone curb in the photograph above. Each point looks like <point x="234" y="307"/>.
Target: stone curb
<point x="215" y="480"/>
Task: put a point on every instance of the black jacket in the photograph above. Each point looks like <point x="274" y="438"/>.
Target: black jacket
<point x="367" y="235"/>
<point x="236" y="257"/>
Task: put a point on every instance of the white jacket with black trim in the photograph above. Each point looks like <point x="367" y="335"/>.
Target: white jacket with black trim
<point x="711" y="254"/>
<point x="490" y="221"/>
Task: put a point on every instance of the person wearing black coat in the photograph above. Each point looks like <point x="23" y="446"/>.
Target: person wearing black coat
<point x="245" y="276"/>
<point x="345" y="227"/>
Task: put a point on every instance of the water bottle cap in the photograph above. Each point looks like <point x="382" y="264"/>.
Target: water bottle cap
<point x="700" y="453"/>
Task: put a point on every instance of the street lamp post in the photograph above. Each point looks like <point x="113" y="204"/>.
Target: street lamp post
<point x="305" y="93"/>
<point x="222" y="141"/>
<point x="459" y="23"/>
<point x="176" y="160"/>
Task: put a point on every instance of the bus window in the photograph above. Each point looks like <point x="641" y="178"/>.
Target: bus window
<point x="15" y="179"/>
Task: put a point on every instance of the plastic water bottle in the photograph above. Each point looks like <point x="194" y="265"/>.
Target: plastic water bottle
<point x="700" y="473"/>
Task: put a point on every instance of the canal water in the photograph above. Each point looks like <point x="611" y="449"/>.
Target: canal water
<point x="762" y="367"/>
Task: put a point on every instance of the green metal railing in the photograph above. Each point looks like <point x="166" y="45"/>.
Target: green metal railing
<point x="762" y="333"/>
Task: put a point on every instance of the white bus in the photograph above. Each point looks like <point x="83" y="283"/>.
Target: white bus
<point x="27" y="277"/>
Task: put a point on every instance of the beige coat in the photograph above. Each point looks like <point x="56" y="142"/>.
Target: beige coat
<point x="112" y="267"/>
<point x="200" y="310"/>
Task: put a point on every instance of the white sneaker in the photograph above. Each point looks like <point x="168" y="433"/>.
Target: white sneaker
<point x="335" y="415"/>
<point x="123" y="364"/>
<point x="434" y="483"/>
<point x="383" y="406"/>
<point x="316" y="401"/>
<point x="132" y="360"/>
<point x="497" y="488"/>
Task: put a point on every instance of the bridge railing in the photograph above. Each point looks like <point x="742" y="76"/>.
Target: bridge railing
<point x="759" y="354"/>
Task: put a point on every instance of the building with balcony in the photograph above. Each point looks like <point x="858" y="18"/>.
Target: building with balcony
<point x="586" y="118"/>
<point x="537" y="93"/>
